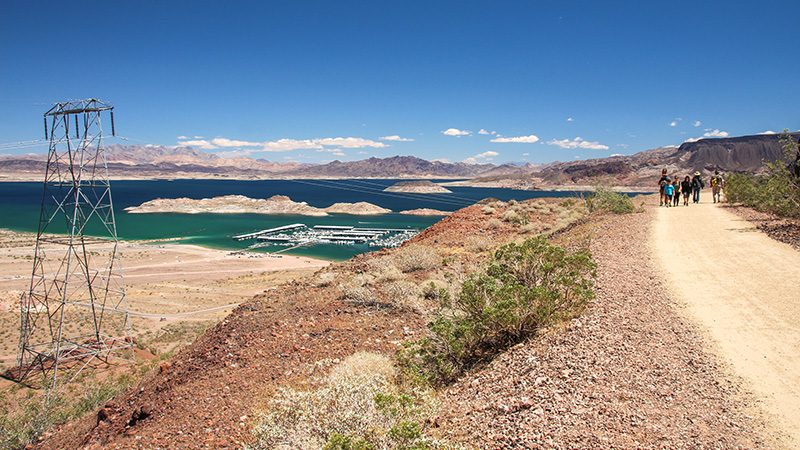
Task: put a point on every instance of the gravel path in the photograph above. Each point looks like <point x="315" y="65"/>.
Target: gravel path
<point x="629" y="373"/>
<point x="741" y="286"/>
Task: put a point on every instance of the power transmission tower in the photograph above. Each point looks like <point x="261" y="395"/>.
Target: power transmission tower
<point x="74" y="314"/>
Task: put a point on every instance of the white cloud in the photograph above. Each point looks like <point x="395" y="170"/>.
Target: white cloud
<point x="692" y="140"/>
<point x="615" y="154"/>
<point x="697" y="123"/>
<point x="442" y="160"/>
<point x="481" y="157"/>
<point x="768" y="132"/>
<point x="224" y="142"/>
<point x="205" y="145"/>
<point x="283" y="145"/>
<point x="180" y="138"/>
<point x="456" y="132"/>
<point x="337" y="153"/>
<point x="396" y="138"/>
<point x="487" y="132"/>
<point x="570" y="119"/>
<point x="715" y="133"/>
<point x="578" y="143"/>
<point x="198" y="137"/>
<point x="674" y="123"/>
<point x="517" y="139"/>
<point x="350" y="142"/>
<point x="526" y="154"/>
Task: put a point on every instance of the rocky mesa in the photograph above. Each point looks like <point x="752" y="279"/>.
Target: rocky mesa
<point x="418" y="187"/>
<point x="240" y="204"/>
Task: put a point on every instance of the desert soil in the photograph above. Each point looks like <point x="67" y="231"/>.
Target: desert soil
<point x="741" y="287"/>
<point x="174" y="282"/>
<point x="631" y="372"/>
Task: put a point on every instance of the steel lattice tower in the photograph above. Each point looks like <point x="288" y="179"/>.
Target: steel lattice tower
<point x="74" y="315"/>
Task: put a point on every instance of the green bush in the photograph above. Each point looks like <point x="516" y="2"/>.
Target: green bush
<point x="604" y="199"/>
<point x="777" y="191"/>
<point x="526" y="287"/>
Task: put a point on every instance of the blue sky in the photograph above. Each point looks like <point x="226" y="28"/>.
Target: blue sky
<point x="320" y="80"/>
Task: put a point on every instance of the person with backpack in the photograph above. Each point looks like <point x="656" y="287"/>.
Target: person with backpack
<point x="717" y="183"/>
<point x="676" y="195"/>
<point x="661" y="183"/>
<point x="669" y="190"/>
<point x="686" y="189"/>
<point x="697" y="186"/>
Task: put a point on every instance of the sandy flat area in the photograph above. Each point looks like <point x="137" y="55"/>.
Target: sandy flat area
<point x="165" y="282"/>
<point x="740" y="286"/>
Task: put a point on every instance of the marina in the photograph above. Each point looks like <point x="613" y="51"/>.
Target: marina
<point x="301" y="235"/>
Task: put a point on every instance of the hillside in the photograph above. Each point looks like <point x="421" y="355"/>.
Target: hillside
<point x="736" y="154"/>
<point x="587" y="384"/>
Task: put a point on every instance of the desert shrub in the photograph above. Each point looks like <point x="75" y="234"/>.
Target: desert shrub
<point x="411" y="258"/>
<point x="437" y="292"/>
<point x="477" y="244"/>
<point x="405" y="294"/>
<point x="356" y="293"/>
<point x="494" y="224"/>
<point x="324" y="279"/>
<point x="526" y="286"/>
<point x="777" y="191"/>
<point x="604" y="199"/>
<point x="488" y="210"/>
<point x="514" y="216"/>
<point x="384" y="270"/>
<point x="358" y="405"/>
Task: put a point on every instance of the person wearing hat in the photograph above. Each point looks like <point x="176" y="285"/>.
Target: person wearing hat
<point x="717" y="183"/>
<point x="697" y="185"/>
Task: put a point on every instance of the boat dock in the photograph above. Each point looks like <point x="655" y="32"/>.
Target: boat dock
<point x="294" y="226"/>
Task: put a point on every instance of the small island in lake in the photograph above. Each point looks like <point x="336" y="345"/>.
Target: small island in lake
<point x="240" y="204"/>
<point x="418" y="187"/>
<point x="425" y="212"/>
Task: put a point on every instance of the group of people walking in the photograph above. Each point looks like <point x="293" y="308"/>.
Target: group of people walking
<point x="671" y="189"/>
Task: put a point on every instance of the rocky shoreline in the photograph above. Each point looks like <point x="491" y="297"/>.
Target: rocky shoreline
<point x="418" y="187"/>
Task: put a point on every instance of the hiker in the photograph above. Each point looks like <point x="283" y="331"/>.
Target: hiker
<point x="669" y="190"/>
<point x="661" y="183"/>
<point x="676" y="195"/>
<point x="686" y="189"/>
<point x="717" y="183"/>
<point x="697" y="185"/>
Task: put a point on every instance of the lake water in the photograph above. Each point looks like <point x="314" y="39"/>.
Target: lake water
<point x="20" y="202"/>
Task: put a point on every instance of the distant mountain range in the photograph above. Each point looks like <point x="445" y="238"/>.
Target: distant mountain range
<point x="745" y="153"/>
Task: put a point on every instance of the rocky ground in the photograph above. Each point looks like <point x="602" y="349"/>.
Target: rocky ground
<point x="629" y="373"/>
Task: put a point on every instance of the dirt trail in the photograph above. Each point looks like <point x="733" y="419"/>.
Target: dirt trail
<point x="741" y="287"/>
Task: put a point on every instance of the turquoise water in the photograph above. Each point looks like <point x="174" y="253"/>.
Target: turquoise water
<point x="20" y="203"/>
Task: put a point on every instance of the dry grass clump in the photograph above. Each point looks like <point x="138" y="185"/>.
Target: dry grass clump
<point x="405" y="294"/>
<point x="411" y="258"/>
<point x="356" y="290"/>
<point x="384" y="270"/>
<point x="358" y="405"/>
<point x="477" y="244"/>
<point x="324" y="279"/>
<point x="494" y="224"/>
<point x="488" y="210"/>
<point x="515" y="216"/>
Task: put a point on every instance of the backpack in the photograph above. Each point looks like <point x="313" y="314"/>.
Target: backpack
<point x="714" y="181"/>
